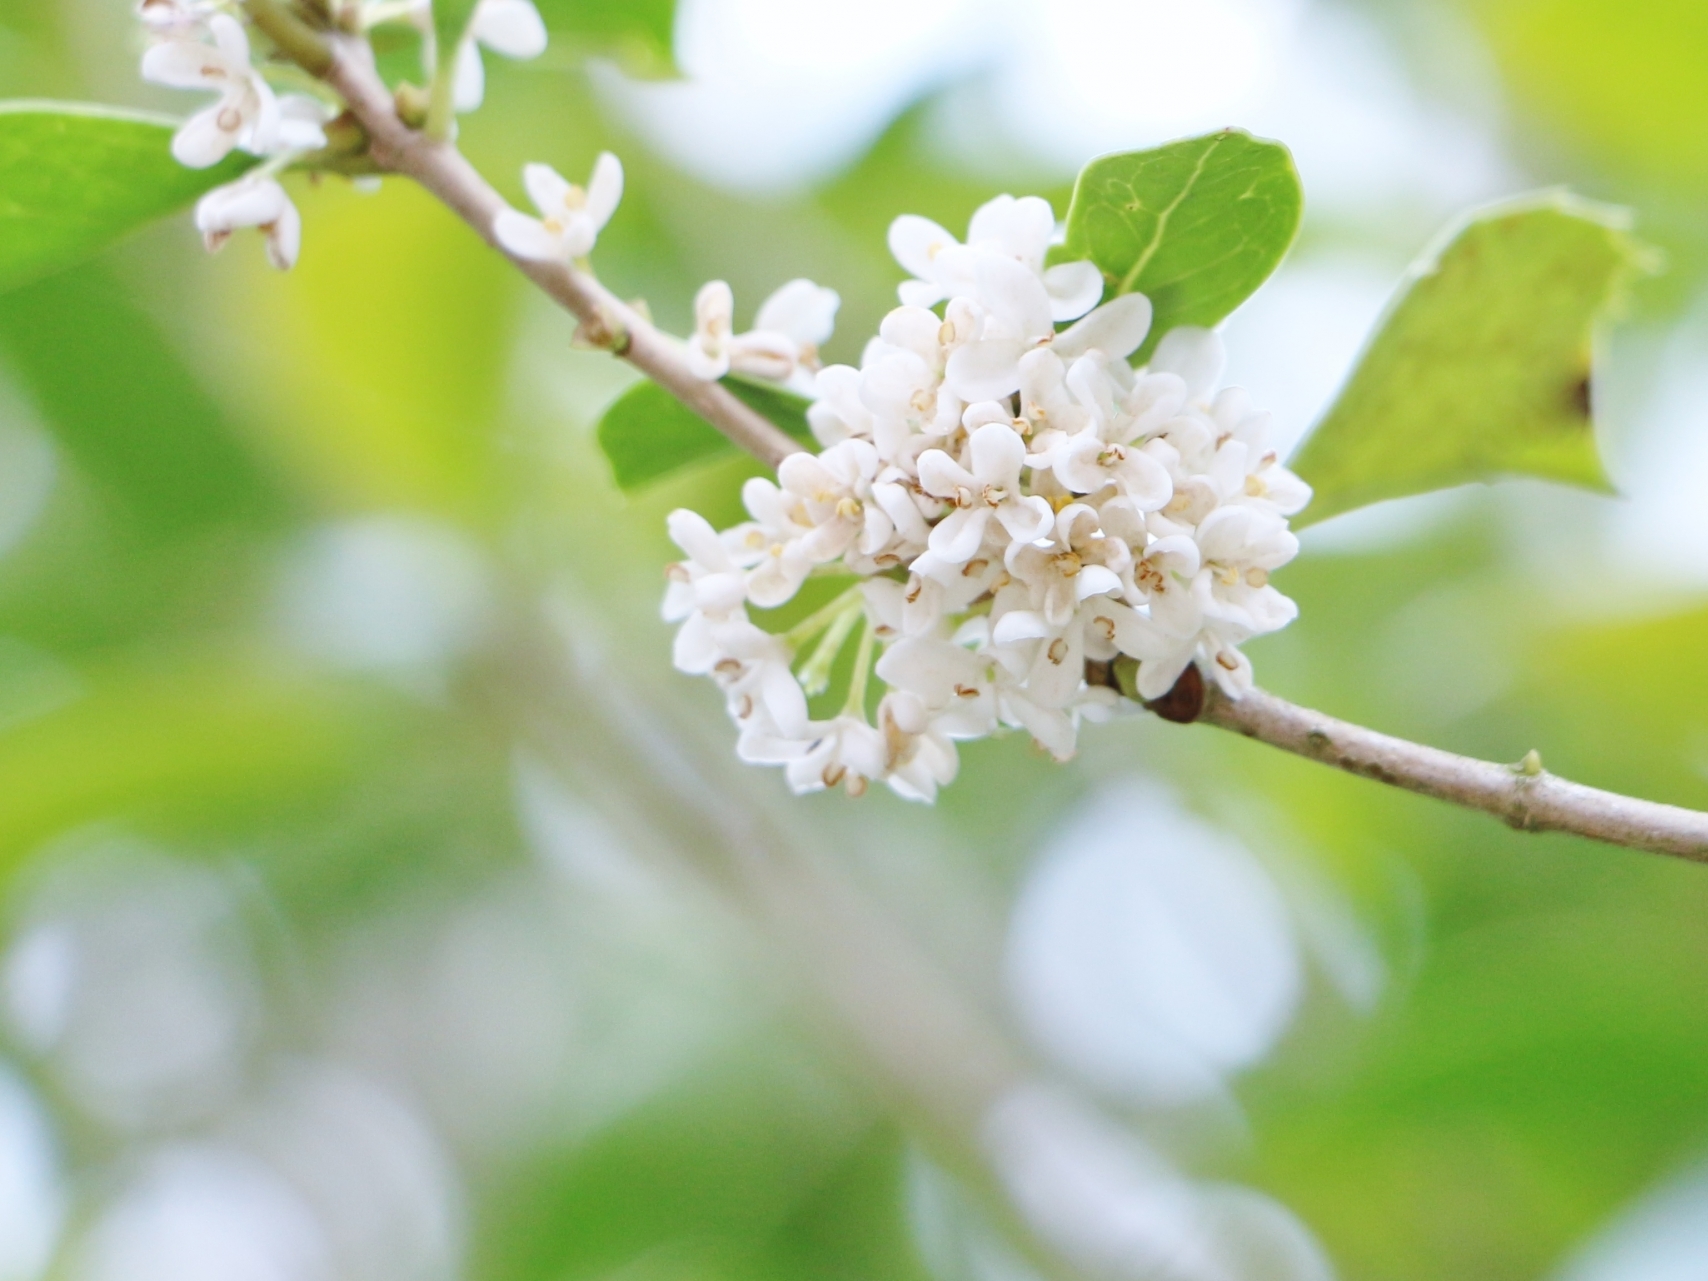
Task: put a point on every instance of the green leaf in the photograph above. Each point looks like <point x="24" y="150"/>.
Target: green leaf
<point x="74" y="179"/>
<point x="648" y="434"/>
<point x="639" y="34"/>
<point x="1481" y="369"/>
<point x="1196" y="226"/>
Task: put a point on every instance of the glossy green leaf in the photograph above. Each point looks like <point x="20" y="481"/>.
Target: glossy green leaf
<point x="1481" y="369"/>
<point x="647" y="433"/>
<point x="637" y="33"/>
<point x="74" y="179"/>
<point x="1195" y="225"/>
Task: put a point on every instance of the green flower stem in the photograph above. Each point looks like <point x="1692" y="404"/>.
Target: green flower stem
<point x="298" y="41"/>
<point x="815" y="673"/>
<point x="856" y="704"/>
<point x="441" y="94"/>
<point x="819" y="619"/>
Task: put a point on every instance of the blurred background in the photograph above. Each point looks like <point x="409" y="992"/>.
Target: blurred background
<point x="379" y="903"/>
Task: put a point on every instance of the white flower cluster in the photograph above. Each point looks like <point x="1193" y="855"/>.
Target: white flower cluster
<point x="1018" y="506"/>
<point x="202" y="44"/>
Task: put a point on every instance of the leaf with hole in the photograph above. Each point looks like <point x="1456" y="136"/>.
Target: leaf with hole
<point x="1196" y="225"/>
<point x="647" y="433"/>
<point x="1481" y="368"/>
<point x="75" y="179"/>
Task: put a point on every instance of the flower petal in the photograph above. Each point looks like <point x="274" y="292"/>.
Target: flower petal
<point x="230" y="39"/>
<point x="916" y="242"/>
<point x="997" y="455"/>
<point x="940" y="475"/>
<point x="1195" y="354"/>
<point x="985" y="370"/>
<point x="1020" y="228"/>
<point x="510" y="27"/>
<point x="604" y="189"/>
<point x="201" y="141"/>
<point x="284" y="236"/>
<point x="802" y="310"/>
<point x="525" y="237"/>
<point x="547" y="188"/>
<point x="1019" y="625"/>
<point x="468" y="79"/>
<point x="1074" y="289"/>
<point x="960" y="534"/>
<point x="1015" y="297"/>
<point x="920" y="293"/>
<point x="1116" y="329"/>
<point x="1028" y="519"/>
<point x="183" y="64"/>
<point x="694" y="534"/>
<point x="1095" y="580"/>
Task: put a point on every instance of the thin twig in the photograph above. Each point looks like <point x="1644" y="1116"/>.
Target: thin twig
<point x="606" y="321"/>
<point x="1529" y="799"/>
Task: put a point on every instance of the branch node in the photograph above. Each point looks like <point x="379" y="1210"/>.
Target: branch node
<point x="602" y="331"/>
<point x="413" y="104"/>
<point x="1530" y="766"/>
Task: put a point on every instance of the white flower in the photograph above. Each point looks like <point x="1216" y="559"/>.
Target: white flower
<point x="991" y="579"/>
<point x="1051" y="579"/>
<point x="834" y="492"/>
<point x="1087" y="463"/>
<point x="902" y="375"/>
<point x="783" y="345"/>
<point x="1018" y="229"/>
<point x="845" y="752"/>
<point x="991" y="490"/>
<point x="776" y="542"/>
<point x="510" y="27"/>
<point x="252" y="202"/>
<point x="1195" y="355"/>
<point x="710" y="581"/>
<point x="1164" y="655"/>
<point x="1165" y="575"/>
<point x="570" y="218"/>
<point x="952" y="685"/>
<point x="1239" y="547"/>
<point x="919" y="755"/>
<point x="1020" y="321"/>
<point x="301" y="124"/>
<point x="1055" y="598"/>
<point x="247" y="114"/>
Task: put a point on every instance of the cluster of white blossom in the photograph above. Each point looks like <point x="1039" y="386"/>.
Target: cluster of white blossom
<point x="1017" y="507"/>
<point x="202" y="44"/>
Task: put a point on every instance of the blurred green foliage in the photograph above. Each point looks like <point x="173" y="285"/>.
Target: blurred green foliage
<point x="79" y="177"/>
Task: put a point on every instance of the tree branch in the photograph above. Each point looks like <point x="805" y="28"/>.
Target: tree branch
<point x="1532" y="802"/>
<point x="606" y="321"/>
<point x="1529" y="801"/>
